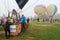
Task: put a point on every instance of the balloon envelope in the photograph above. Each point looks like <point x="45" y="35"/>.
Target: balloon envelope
<point x="51" y="10"/>
<point x="40" y="9"/>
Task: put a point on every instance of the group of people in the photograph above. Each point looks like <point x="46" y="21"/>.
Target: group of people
<point x="6" y="22"/>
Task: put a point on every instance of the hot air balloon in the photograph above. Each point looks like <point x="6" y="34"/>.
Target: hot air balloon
<point x="51" y="10"/>
<point x="40" y="9"/>
<point x="21" y="3"/>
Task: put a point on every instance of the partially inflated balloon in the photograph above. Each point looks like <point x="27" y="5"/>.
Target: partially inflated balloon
<point x="51" y="10"/>
<point x="40" y="9"/>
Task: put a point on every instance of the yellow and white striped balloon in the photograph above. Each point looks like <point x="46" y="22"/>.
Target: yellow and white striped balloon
<point x="40" y="9"/>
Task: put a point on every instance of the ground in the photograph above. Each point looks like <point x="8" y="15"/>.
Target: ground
<point x="37" y="31"/>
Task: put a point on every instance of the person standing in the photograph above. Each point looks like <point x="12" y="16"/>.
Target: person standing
<point x="38" y="19"/>
<point x="3" y="22"/>
<point x="23" y="22"/>
<point x="7" y="28"/>
<point x="28" y="21"/>
<point x="0" y="22"/>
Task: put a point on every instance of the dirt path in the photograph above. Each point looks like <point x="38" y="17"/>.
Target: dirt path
<point x="2" y="32"/>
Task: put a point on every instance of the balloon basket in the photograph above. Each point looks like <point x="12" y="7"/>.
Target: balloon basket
<point x="15" y="31"/>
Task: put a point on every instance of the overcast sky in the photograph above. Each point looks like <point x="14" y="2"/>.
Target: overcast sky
<point x="32" y="3"/>
<point x="28" y="8"/>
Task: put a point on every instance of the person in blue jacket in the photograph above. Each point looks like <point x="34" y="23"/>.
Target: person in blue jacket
<point x="23" y="22"/>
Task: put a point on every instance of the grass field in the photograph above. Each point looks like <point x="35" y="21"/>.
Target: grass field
<point x="37" y="31"/>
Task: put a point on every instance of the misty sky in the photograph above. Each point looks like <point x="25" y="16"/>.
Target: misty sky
<point x="38" y="2"/>
<point x="6" y="5"/>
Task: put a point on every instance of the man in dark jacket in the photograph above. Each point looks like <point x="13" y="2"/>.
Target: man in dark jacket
<point x="7" y="28"/>
<point x="28" y="21"/>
